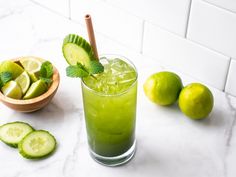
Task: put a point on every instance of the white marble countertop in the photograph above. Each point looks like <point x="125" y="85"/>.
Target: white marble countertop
<point x="169" y="144"/>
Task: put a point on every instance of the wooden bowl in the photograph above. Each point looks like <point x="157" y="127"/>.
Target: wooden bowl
<point x="36" y="103"/>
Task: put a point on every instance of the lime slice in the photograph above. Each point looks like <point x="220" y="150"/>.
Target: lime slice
<point x="76" y="49"/>
<point x="36" y="89"/>
<point x="10" y="66"/>
<point x="32" y="65"/>
<point x="12" y="89"/>
<point x="23" y="81"/>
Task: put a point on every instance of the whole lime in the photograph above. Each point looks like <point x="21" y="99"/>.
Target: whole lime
<point x="163" y="88"/>
<point x="196" y="101"/>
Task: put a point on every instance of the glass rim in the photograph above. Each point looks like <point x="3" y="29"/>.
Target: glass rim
<point x="120" y="93"/>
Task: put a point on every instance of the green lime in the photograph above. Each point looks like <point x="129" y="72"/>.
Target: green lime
<point x="10" y="66"/>
<point x="12" y="89"/>
<point x="196" y="101"/>
<point x="36" y="89"/>
<point x="23" y="81"/>
<point x="163" y="88"/>
<point x="32" y="65"/>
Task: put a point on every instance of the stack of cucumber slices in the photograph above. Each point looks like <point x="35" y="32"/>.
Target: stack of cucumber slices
<point x="31" y="143"/>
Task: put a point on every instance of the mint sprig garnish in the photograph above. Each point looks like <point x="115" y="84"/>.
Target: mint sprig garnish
<point x="46" y="72"/>
<point x="81" y="71"/>
<point x="4" y="78"/>
<point x="77" y="71"/>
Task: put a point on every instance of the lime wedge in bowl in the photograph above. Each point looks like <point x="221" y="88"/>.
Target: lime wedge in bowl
<point x="12" y="89"/>
<point x="23" y="81"/>
<point x="11" y="67"/>
<point x="36" y="89"/>
<point x="32" y="65"/>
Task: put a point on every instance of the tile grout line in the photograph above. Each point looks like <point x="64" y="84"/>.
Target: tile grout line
<point x="142" y="37"/>
<point x="218" y="6"/>
<point x="188" y="19"/>
<point x="227" y="74"/>
<point x="207" y="47"/>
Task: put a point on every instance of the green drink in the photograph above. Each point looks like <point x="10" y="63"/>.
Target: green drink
<point x="110" y="111"/>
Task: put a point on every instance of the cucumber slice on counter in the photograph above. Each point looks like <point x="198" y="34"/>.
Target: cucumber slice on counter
<point x="37" y="144"/>
<point x="12" y="133"/>
<point x="76" y="49"/>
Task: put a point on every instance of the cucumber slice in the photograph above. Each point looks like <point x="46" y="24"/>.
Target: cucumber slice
<point x="12" y="133"/>
<point x="76" y="49"/>
<point x="37" y="144"/>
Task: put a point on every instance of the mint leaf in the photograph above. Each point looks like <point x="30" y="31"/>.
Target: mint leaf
<point x="5" y="77"/>
<point x="96" y="67"/>
<point x="80" y="70"/>
<point x="46" y="70"/>
<point x="48" y="81"/>
<point x="76" y="71"/>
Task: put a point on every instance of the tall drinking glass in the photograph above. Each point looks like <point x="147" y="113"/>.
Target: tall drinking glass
<point x="110" y="111"/>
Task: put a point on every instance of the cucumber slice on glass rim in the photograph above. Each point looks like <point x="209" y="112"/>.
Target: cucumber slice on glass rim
<point x="77" y="50"/>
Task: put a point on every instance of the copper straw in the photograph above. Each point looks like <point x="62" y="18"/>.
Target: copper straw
<point x="91" y="35"/>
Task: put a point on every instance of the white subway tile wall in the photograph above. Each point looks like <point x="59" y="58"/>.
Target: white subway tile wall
<point x="213" y="27"/>
<point x="201" y="63"/>
<point x="196" y="37"/>
<point x="169" y="14"/>
<point x="231" y="82"/>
